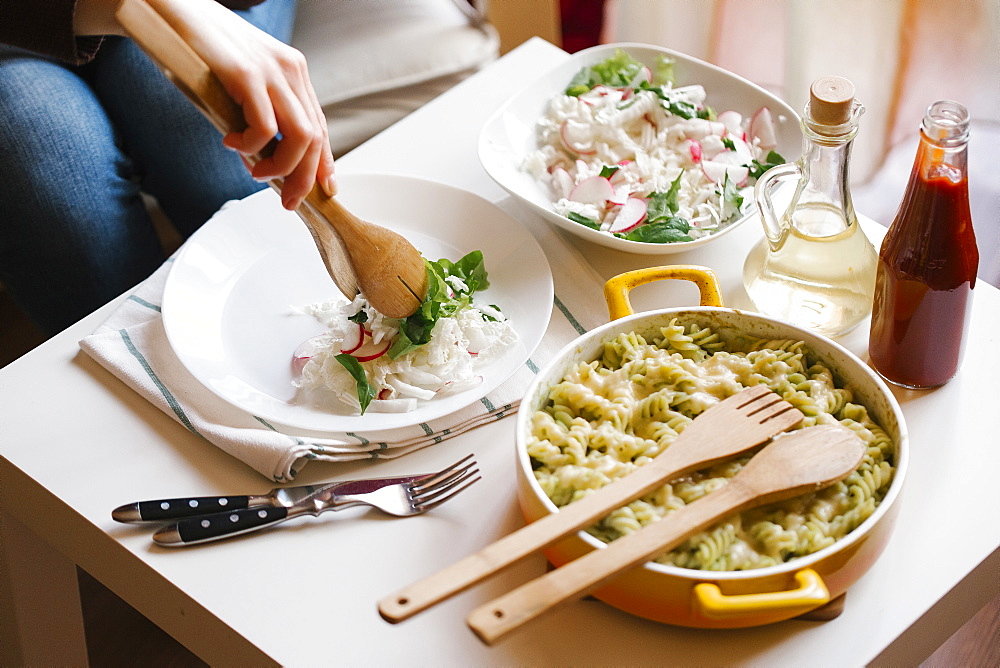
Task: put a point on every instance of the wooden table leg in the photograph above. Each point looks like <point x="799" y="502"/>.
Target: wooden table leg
<point x="41" y="620"/>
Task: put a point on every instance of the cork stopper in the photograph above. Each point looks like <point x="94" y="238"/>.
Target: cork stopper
<point x="831" y="100"/>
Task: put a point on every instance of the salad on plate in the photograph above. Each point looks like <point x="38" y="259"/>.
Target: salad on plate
<point x="369" y="361"/>
<point x="625" y="151"/>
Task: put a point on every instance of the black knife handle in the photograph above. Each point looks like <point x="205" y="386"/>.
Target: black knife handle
<point x="219" y="525"/>
<point x="160" y="510"/>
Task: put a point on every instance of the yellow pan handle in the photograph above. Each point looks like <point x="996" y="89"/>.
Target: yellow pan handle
<point x="617" y="288"/>
<point x="811" y="593"/>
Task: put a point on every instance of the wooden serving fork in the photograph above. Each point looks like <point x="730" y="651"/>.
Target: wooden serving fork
<point x="731" y="427"/>
<point x="359" y="256"/>
<point x="792" y="464"/>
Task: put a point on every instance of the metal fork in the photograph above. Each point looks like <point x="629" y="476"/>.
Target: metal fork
<point x="404" y="498"/>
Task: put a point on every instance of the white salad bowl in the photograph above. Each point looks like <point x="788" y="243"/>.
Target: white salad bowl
<point x="509" y="136"/>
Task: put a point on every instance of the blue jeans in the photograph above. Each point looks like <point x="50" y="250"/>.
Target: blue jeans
<point x="77" y="147"/>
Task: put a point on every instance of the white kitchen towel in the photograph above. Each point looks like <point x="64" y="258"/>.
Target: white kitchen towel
<point x="132" y="344"/>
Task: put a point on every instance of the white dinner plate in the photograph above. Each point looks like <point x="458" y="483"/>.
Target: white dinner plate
<point x="510" y="134"/>
<point x="228" y="304"/>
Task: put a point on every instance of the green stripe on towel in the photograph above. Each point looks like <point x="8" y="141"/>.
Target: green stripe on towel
<point x="569" y="316"/>
<point x="171" y="401"/>
<point x="143" y="302"/>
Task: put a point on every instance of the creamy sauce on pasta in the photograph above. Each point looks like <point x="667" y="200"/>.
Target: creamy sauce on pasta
<point x="609" y="416"/>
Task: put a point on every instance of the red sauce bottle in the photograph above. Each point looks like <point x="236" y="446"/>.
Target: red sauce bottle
<point x="928" y="261"/>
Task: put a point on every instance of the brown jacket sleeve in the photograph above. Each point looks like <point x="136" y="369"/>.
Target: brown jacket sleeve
<point x="46" y="27"/>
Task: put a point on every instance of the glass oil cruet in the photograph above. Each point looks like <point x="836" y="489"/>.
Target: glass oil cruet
<point x="928" y="261"/>
<point x="815" y="267"/>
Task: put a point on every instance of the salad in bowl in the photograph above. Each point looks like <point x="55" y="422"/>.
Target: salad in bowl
<point x="639" y="148"/>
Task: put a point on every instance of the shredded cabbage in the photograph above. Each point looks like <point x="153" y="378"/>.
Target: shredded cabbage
<point x="621" y="121"/>
<point x="466" y="337"/>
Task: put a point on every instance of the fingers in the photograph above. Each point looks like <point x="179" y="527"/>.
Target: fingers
<point x="293" y="124"/>
<point x="326" y="176"/>
<point x="270" y="81"/>
<point x="304" y="146"/>
<point x="278" y="100"/>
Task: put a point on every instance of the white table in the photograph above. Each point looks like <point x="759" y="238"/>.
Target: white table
<point x="75" y="443"/>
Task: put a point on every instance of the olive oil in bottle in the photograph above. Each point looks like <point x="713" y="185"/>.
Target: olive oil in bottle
<point x="815" y="268"/>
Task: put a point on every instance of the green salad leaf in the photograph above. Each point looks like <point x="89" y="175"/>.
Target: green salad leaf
<point x="681" y="108"/>
<point x="365" y="390"/>
<point x="618" y="71"/>
<point x="664" y="231"/>
<point x="663" y="73"/>
<point x="443" y="299"/>
<point x="731" y="197"/>
<point x="621" y="70"/>
<point x="660" y="206"/>
<point x="583" y="220"/>
<point x="772" y="159"/>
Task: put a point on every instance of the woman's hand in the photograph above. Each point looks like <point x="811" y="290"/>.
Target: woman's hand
<point x="270" y="81"/>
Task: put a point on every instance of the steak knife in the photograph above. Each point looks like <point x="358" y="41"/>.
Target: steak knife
<point x="166" y="510"/>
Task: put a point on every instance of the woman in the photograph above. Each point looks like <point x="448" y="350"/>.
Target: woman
<point x="88" y="123"/>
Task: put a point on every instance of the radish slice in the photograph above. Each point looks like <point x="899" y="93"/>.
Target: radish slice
<point x="593" y="96"/>
<point x="740" y="157"/>
<point x="619" y="175"/>
<point x="303" y="353"/>
<point x="762" y="129"/>
<point x="716" y="170"/>
<point x="600" y="95"/>
<point x="742" y="151"/>
<point x="593" y="190"/>
<point x="370" y="351"/>
<point x="298" y="363"/>
<point x="733" y="122"/>
<point x="576" y="137"/>
<point x="694" y="149"/>
<point x="644" y="74"/>
<point x="632" y="213"/>
<point x="353" y="340"/>
<point x="621" y="195"/>
<point x="562" y="182"/>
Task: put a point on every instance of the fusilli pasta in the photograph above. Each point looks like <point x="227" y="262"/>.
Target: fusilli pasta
<point x="609" y="416"/>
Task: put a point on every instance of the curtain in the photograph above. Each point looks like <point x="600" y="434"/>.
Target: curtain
<point x="901" y="55"/>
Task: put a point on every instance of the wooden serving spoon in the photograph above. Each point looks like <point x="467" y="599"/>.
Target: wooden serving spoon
<point x="358" y="255"/>
<point x="792" y="464"/>
<point x="727" y="429"/>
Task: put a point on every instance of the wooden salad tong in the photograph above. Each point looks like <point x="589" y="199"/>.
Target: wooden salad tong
<point x="359" y="256"/>
<point x="792" y="464"/>
<point x="731" y="427"/>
